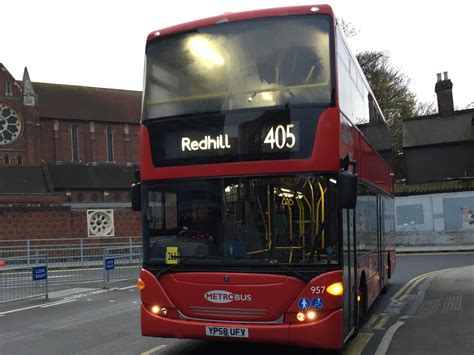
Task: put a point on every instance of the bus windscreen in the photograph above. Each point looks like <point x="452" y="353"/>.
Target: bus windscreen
<point x="256" y="63"/>
<point x="288" y="219"/>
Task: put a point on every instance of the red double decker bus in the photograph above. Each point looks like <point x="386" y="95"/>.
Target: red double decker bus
<point x="267" y="215"/>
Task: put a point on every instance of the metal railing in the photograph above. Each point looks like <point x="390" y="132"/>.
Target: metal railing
<point x="64" y="250"/>
<point x="121" y="264"/>
<point x="66" y="261"/>
<point x="19" y="282"/>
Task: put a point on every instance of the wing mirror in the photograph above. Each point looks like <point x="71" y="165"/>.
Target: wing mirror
<point x="347" y="190"/>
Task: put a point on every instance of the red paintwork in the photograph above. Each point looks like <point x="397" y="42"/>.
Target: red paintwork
<point x="240" y="16"/>
<point x="370" y="165"/>
<point x="195" y="286"/>
<point x="324" y="158"/>
<point x="186" y="290"/>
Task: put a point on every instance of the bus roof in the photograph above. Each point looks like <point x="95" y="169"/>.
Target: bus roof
<point x="239" y="16"/>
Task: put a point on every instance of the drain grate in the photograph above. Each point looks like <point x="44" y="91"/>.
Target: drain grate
<point x="441" y="305"/>
<point x="429" y="307"/>
<point x="453" y="303"/>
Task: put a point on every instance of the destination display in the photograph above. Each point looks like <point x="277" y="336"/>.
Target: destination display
<point x="233" y="137"/>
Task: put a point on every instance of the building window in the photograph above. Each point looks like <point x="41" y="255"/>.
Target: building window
<point x="19" y="159"/>
<point x="110" y="144"/>
<point x="6" y="159"/>
<point x="75" y="143"/>
<point x="8" y="89"/>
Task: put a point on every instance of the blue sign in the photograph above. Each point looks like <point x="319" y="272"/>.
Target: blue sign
<point x="109" y="264"/>
<point x="304" y="303"/>
<point x="317" y="303"/>
<point x="40" y="273"/>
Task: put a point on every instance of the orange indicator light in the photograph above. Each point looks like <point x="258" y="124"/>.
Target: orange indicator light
<point x="140" y="284"/>
<point x="155" y="309"/>
<point x="335" y="289"/>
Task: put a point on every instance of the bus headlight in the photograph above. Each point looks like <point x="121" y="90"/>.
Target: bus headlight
<point x="311" y="315"/>
<point x="158" y="311"/>
<point x="300" y="316"/>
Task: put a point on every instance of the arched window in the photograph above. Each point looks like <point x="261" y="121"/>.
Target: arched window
<point x="75" y="143"/>
<point x="19" y="159"/>
<point x="110" y="143"/>
<point x="6" y="159"/>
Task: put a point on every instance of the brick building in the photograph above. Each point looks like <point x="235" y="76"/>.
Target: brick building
<point x="64" y="149"/>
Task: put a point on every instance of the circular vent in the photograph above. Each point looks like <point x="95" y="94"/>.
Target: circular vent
<point x="100" y="223"/>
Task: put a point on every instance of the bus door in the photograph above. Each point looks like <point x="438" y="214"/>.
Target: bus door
<point x="349" y="271"/>
<point x="380" y="242"/>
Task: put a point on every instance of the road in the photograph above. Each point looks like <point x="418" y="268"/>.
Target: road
<point x="99" y="321"/>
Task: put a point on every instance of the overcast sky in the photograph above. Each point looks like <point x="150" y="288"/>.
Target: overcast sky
<point x="102" y="42"/>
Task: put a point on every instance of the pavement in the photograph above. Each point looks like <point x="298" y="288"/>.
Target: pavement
<point x="401" y="249"/>
<point x="438" y="317"/>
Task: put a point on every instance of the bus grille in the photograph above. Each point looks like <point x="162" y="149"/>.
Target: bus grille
<point x="228" y="312"/>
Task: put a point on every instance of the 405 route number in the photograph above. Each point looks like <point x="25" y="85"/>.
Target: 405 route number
<point x="280" y="137"/>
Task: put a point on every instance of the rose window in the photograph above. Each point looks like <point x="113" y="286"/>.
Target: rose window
<point x="10" y="125"/>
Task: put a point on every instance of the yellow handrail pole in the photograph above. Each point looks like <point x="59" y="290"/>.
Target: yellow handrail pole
<point x="301" y="217"/>
<point x="322" y="212"/>
<point x="290" y="219"/>
<point x="269" y="217"/>
<point x="313" y="218"/>
<point x="263" y="218"/>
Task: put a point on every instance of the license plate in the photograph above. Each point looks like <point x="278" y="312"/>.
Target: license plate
<point x="227" y="332"/>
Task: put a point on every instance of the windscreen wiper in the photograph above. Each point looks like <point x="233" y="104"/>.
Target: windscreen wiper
<point x="293" y="271"/>
<point x="182" y="260"/>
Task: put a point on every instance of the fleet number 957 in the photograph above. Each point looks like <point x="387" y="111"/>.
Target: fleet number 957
<point x="280" y="137"/>
<point x="317" y="289"/>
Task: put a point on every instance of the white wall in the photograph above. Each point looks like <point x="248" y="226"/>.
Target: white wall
<point x="435" y="212"/>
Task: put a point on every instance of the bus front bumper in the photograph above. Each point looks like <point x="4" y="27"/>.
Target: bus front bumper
<point x="326" y="333"/>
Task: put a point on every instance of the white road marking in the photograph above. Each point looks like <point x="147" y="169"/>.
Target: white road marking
<point x="128" y="287"/>
<point x="111" y="301"/>
<point x="32" y="307"/>
<point x="57" y="303"/>
<point x="387" y="338"/>
<point x="19" y="309"/>
<point x="154" y="350"/>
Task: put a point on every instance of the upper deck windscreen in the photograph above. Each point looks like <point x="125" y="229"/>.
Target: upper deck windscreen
<point x="265" y="62"/>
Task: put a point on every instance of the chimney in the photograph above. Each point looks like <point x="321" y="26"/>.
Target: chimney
<point x="444" y="91"/>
